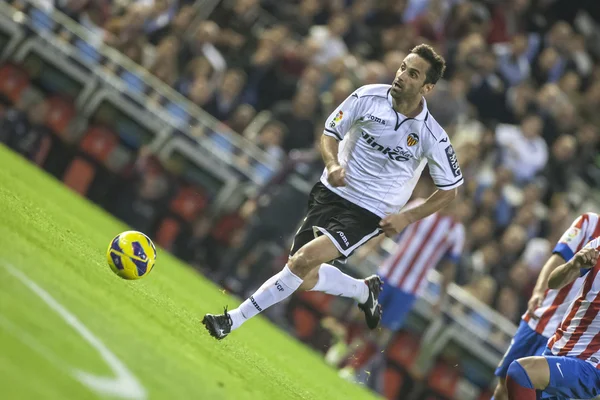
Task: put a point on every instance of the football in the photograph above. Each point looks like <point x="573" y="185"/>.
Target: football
<point x="131" y="255"/>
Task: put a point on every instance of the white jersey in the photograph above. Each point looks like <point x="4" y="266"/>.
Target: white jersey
<point x="551" y="311"/>
<point x="579" y="333"/>
<point x="420" y="247"/>
<point x="384" y="152"/>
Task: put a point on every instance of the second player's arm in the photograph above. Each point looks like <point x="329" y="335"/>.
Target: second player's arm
<point x="542" y="283"/>
<point x="571" y="270"/>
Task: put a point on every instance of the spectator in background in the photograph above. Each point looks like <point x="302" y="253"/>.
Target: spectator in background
<point x="300" y="17"/>
<point x="508" y="304"/>
<point x="159" y="18"/>
<point x="326" y="43"/>
<point x="485" y="259"/>
<point x="271" y="138"/>
<point x="241" y="118"/>
<point x="128" y="29"/>
<point x="513" y="60"/>
<point x="227" y="95"/>
<point x="341" y="89"/>
<point x="560" y="168"/>
<point x="449" y="101"/>
<point x="359" y="37"/>
<point x="165" y="66"/>
<point x="391" y="61"/>
<point x="91" y="14"/>
<point x="144" y="194"/>
<point x="512" y="243"/>
<point x="22" y="128"/>
<point x="182" y="20"/>
<point x="237" y="22"/>
<point x="588" y="139"/>
<point x="263" y="82"/>
<point x="298" y="116"/>
<point x="523" y="150"/>
<point x="487" y="90"/>
<point x="201" y="43"/>
<point x="200" y="91"/>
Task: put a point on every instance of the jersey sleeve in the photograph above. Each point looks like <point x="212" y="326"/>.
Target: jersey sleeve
<point x="458" y="242"/>
<point x="443" y="163"/>
<point x="341" y="120"/>
<point x="574" y="238"/>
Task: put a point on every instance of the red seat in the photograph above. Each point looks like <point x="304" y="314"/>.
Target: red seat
<point x="404" y="349"/>
<point x="318" y="300"/>
<point x="60" y="113"/>
<point x="443" y="379"/>
<point x="13" y="81"/>
<point x="225" y="227"/>
<point x="305" y="322"/>
<point x="188" y="203"/>
<point x="79" y="175"/>
<point x="392" y="383"/>
<point x="167" y="233"/>
<point x="99" y="143"/>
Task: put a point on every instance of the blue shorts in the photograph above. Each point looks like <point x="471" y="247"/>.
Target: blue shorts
<point x="525" y="343"/>
<point x="396" y="304"/>
<point x="571" y="378"/>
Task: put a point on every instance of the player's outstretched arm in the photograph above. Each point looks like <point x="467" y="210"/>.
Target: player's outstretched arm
<point x="563" y="275"/>
<point x="395" y="223"/>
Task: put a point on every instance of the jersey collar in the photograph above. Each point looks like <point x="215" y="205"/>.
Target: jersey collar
<point x="422" y="116"/>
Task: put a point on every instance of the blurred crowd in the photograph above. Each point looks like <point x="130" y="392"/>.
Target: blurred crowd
<point x="519" y="101"/>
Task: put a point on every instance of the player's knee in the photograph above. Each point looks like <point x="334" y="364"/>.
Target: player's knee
<point x="302" y="262"/>
<point x="537" y="370"/>
<point x="529" y="372"/>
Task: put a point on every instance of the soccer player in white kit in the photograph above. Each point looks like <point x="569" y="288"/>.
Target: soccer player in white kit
<point x="375" y="146"/>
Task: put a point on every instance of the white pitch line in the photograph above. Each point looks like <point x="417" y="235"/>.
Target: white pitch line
<point x="124" y="384"/>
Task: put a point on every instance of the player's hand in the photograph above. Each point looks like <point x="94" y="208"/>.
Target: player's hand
<point x="394" y="224"/>
<point x="586" y="258"/>
<point x="336" y="176"/>
<point x="534" y="302"/>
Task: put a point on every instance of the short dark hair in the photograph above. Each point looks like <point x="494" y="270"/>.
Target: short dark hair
<point x="437" y="64"/>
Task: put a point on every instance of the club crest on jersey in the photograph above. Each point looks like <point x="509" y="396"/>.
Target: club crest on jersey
<point x="453" y="161"/>
<point x="412" y="139"/>
<point x="337" y="119"/>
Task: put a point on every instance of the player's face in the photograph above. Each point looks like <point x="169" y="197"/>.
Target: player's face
<point x="410" y="78"/>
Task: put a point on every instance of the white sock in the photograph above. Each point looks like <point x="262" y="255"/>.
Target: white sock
<point x="335" y="282"/>
<point x="274" y="290"/>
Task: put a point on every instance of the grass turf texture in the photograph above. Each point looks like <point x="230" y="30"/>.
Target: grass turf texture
<point x="152" y="325"/>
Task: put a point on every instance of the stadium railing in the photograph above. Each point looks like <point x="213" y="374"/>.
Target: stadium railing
<point x="137" y="84"/>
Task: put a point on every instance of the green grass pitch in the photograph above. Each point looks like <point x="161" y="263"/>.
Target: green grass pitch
<point x="52" y="258"/>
